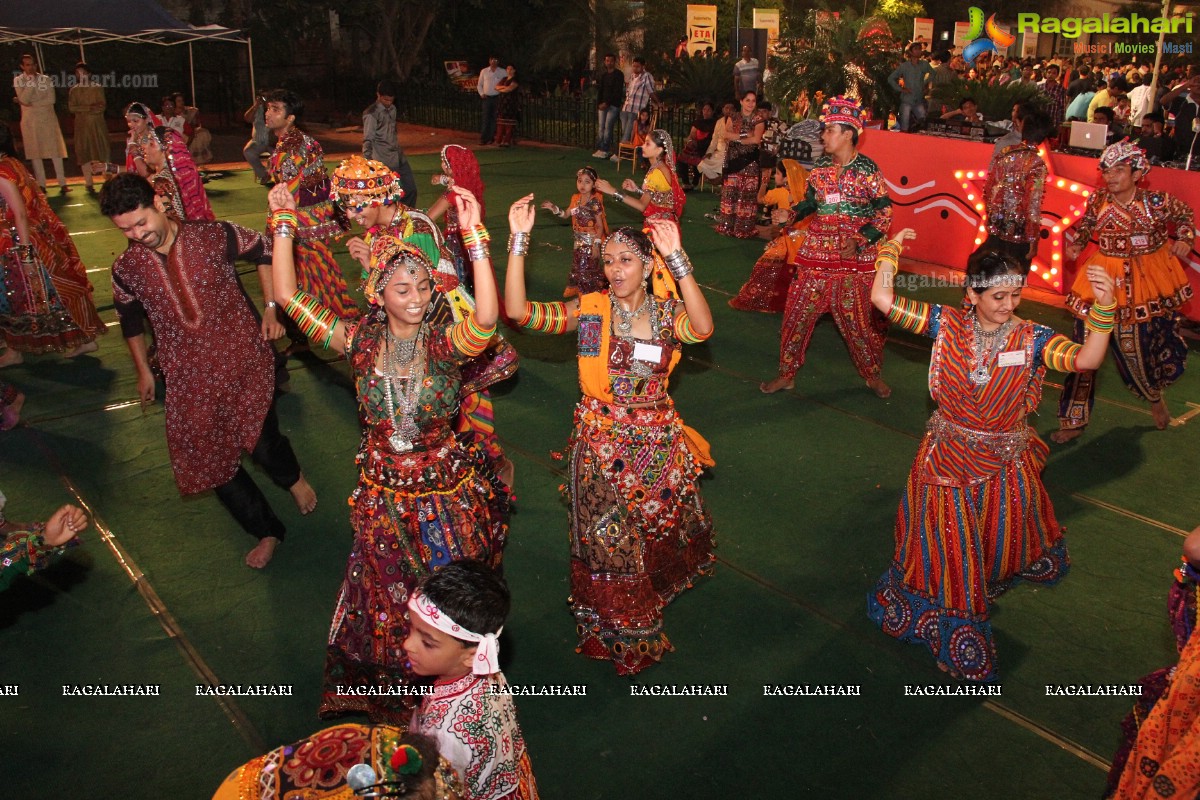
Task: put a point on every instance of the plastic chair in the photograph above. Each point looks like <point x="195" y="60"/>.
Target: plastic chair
<point x="628" y="150"/>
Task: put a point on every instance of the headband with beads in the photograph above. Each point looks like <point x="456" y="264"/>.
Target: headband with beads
<point x="387" y="255"/>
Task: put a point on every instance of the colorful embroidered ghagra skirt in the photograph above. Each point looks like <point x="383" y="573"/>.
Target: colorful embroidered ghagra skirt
<point x="640" y="534"/>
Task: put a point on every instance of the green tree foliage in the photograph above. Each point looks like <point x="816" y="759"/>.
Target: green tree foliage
<point x="828" y="53"/>
<point x="994" y="102"/>
<point x="694" y="80"/>
<point x="583" y="28"/>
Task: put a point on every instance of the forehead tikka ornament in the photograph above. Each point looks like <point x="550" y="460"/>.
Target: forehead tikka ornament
<point x="387" y="255"/>
<point x="622" y="235"/>
<point x="1009" y="279"/>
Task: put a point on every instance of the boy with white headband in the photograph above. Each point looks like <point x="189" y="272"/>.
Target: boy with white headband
<point x="456" y="618"/>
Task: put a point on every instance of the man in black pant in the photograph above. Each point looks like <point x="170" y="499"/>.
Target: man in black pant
<point x="610" y="95"/>
<point x="214" y="352"/>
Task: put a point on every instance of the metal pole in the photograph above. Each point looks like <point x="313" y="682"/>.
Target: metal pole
<point x="737" y="30"/>
<point x="192" y="72"/>
<point x="250" y="53"/>
<point x="1158" y="59"/>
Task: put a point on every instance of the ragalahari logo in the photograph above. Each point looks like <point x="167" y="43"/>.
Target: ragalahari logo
<point x="981" y="43"/>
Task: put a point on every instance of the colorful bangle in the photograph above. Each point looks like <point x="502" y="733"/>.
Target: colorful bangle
<point x="685" y="333"/>
<point x="518" y="243"/>
<point x="283" y="216"/>
<point x="912" y="315"/>
<point x="285" y="231"/>
<point x="889" y="257"/>
<point x="1101" y="319"/>
<point x="469" y="338"/>
<point x="477" y="234"/>
<point x="545" y="317"/>
<point x="313" y="319"/>
<point x="1060" y="353"/>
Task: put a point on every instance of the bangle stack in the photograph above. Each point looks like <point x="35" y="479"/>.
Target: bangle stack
<point x="888" y="258"/>
<point x="283" y="223"/>
<point x="313" y="319"/>
<point x="620" y="198"/>
<point x="518" y="243"/>
<point x="679" y="265"/>
<point x="1101" y="319"/>
<point x="476" y="241"/>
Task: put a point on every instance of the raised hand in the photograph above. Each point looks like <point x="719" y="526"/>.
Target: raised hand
<point x="604" y="187"/>
<point x="280" y="198"/>
<point x="629" y="186"/>
<point x="467" y="206"/>
<point x="521" y="215"/>
<point x="1102" y="284"/>
<point x="665" y="235"/>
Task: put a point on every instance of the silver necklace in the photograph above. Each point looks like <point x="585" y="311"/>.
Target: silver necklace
<point x="399" y="352"/>
<point x="625" y="318"/>
<point x="986" y="345"/>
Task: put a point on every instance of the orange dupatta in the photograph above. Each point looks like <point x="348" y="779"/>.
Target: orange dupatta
<point x="593" y="368"/>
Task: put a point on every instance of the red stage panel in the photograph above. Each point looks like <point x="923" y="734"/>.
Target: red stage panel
<point x="935" y="185"/>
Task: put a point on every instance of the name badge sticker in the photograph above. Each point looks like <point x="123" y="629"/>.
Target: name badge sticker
<point x="650" y="353"/>
<point x="1139" y="240"/>
<point x="1011" y="358"/>
<point x="833" y="197"/>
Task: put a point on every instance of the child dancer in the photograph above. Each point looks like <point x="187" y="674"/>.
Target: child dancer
<point x="457" y="615"/>
<point x="590" y="227"/>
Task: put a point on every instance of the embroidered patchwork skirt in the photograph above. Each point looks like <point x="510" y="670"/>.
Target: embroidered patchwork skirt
<point x="640" y="534"/>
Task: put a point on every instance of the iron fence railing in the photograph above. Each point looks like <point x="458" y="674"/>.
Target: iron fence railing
<point x="556" y="119"/>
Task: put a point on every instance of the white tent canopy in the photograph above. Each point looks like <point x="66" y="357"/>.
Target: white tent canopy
<point x="79" y="23"/>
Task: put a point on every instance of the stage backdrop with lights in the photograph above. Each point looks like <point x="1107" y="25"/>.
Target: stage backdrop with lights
<point x="936" y="186"/>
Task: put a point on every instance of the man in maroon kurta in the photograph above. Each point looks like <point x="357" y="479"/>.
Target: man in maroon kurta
<point x="213" y="351"/>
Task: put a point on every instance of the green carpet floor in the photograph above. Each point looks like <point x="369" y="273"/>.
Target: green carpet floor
<point x="804" y="496"/>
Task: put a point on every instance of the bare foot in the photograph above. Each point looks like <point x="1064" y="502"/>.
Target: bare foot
<point x="260" y="556"/>
<point x="506" y="471"/>
<point x="880" y="388"/>
<point x="779" y="384"/>
<point x="11" y="358"/>
<point x="1065" y="435"/>
<point x="1162" y="415"/>
<point x="304" y="495"/>
<point x="86" y="347"/>
<point x="12" y="413"/>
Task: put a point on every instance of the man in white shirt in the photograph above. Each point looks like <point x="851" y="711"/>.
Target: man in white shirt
<point x="488" y="78"/>
<point x="40" y="133"/>
<point x="639" y="94"/>
<point x="746" y="73"/>
<point x="1139" y="101"/>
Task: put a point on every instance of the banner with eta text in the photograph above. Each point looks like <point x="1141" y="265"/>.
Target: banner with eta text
<point x="701" y="29"/>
